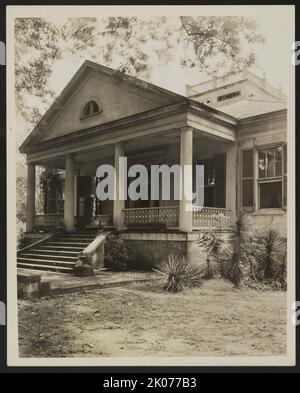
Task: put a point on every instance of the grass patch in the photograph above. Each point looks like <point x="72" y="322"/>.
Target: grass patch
<point x="141" y="320"/>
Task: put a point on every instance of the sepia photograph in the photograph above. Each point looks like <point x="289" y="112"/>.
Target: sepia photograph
<point x="150" y="185"/>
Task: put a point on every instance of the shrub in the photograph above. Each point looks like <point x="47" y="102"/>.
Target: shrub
<point x="267" y="259"/>
<point x="211" y="243"/>
<point x="233" y="258"/>
<point x="231" y="267"/>
<point x="116" y="257"/>
<point x="281" y="269"/>
<point x="271" y="246"/>
<point x="175" y="274"/>
<point x="21" y="241"/>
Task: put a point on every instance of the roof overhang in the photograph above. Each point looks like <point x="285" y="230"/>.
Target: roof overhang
<point x="203" y="119"/>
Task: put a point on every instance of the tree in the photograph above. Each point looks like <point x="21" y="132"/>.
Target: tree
<point x="130" y="44"/>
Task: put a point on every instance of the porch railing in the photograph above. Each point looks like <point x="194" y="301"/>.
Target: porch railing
<point x="211" y="217"/>
<point x="207" y="217"/>
<point x="149" y="215"/>
<point x="51" y="220"/>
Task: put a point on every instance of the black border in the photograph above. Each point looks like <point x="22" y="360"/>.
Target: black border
<point x="113" y="371"/>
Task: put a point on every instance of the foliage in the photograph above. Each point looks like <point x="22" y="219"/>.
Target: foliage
<point x="48" y="180"/>
<point x="21" y="201"/>
<point x="117" y="257"/>
<point x="218" y="42"/>
<point x="211" y="243"/>
<point x="232" y="268"/>
<point x="128" y="44"/>
<point x="281" y="269"/>
<point x="266" y="262"/>
<point x="21" y="241"/>
<point x="175" y="274"/>
<point x="271" y="245"/>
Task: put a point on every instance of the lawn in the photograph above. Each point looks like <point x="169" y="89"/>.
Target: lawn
<point x="138" y="320"/>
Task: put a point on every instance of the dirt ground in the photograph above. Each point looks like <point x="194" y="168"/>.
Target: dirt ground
<point x="138" y="320"/>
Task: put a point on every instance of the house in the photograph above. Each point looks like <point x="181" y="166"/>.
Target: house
<point x="234" y="125"/>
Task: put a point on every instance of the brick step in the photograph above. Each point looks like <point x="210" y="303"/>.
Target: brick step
<point x="47" y="262"/>
<point x="50" y="257"/>
<point x="51" y="268"/>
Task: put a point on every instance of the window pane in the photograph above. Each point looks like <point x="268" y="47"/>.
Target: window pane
<point x="278" y="161"/>
<point x="270" y="161"/>
<point x="261" y="164"/>
<point x="270" y="195"/>
<point x="248" y="163"/>
<point x="248" y="193"/>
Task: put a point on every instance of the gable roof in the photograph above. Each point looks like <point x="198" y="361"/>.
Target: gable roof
<point x="87" y="67"/>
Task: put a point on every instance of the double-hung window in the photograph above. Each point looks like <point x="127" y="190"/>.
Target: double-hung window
<point x="270" y="176"/>
<point x="271" y="183"/>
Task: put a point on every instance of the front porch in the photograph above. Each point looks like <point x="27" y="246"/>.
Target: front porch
<point x="142" y="218"/>
<point x="178" y="135"/>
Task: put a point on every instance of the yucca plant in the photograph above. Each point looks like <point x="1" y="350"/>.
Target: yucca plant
<point x="271" y="246"/>
<point x="238" y="236"/>
<point x="281" y="269"/>
<point x="175" y="274"/>
<point x="211" y="243"/>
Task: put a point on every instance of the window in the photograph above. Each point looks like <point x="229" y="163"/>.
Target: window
<point x="214" y="180"/>
<point x="247" y="178"/>
<point x="272" y="177"/>
<point x="209" y="181"/>
<point x="229" y="96"/>
<point x="90" y="108"/>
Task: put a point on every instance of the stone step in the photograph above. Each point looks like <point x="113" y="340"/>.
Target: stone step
<point x="47" y="262"/>
<point x="75" y="239"/>
<point x="47" y="256"/>
<point x="64" y="248"/>
<point x="60" y="243"/>
<point x="54" y="252"/>
<point x="53" y="268"/>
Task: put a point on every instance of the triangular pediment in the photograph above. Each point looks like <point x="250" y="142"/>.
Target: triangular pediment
<point x="118" y="96"/>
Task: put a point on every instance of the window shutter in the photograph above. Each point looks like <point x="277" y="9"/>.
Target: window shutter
<point x="247" y="179"/>
<point x="220" y="179"/>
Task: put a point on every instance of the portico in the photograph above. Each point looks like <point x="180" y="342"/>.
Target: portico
<point x="174" y="130"/>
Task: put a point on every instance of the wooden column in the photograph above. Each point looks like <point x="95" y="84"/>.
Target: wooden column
<point x="186" y="158"/>
<point x="231" y="175"/>
<point x="69" y="193"/>
<point x="119" y="203"/>
<point x="30" y="197"/>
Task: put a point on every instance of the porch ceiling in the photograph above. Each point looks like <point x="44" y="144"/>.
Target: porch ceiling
<point x="160" y="123"/>
<point x="143" y="148"/>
